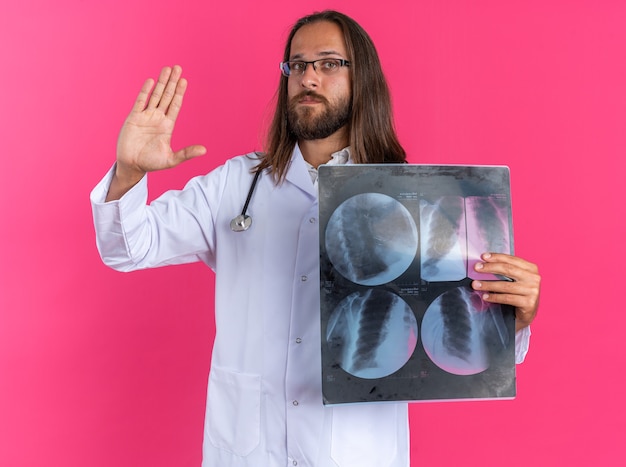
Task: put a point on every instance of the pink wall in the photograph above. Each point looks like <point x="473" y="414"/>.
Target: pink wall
<point x="103" y="369"/>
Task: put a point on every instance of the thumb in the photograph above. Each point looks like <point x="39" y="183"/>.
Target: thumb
<point x="189" y="153"/>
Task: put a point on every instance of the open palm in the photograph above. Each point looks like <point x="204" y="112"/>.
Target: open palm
<point x="144" y="143"/>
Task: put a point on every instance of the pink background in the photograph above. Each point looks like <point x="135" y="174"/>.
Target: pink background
<point x="102" y="369"/>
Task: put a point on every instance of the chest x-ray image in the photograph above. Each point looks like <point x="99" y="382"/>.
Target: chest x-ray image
<point x="371" y="239"/>
<point x="488" y="229"/>
<point x="460" y="331"/>
<point x="443" y="233"/>
<point x="372" y="333"/>
<point x="398" y="244"/>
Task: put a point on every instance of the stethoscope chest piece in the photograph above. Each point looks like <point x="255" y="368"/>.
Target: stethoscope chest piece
<point x="240" y="223"/>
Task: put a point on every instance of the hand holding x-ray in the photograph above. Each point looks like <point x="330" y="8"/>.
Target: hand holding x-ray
<point x="522" y="291"/>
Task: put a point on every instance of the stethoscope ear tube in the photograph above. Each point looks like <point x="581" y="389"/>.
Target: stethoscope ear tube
<point x="242" y="222"/>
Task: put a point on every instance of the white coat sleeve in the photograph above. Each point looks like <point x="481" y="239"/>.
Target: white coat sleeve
<point x="176" y="228"/>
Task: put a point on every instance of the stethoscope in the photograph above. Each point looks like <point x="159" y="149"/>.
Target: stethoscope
<point x="242" y="222"/>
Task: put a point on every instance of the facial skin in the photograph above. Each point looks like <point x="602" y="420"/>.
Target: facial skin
<point x="319" y="105"/>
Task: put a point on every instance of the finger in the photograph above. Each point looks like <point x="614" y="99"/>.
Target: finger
<point x="523" y="303"/>
<point x="177" y="100"/>
<point x="189" y="153"/>
<point x="170" y="89"/>
<point x="509" y="259"/>
<point x="505" y="287"/>
<point x="142" y="97"/>
<point x="157" y="92"/>
<point x="511" y="270"/>
<point x="502" y="299"/>
<point x="522" y="296"/>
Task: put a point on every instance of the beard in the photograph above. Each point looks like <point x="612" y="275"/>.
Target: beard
<point x="305" y="124"/>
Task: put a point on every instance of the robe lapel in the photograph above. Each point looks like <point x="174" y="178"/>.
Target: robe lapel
<point x="298" y="174"/>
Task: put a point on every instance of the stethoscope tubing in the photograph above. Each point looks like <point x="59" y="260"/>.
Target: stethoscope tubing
<point x="242" y="222"/>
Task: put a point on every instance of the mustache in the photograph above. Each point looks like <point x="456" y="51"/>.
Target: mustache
<point x="312" y="94"/>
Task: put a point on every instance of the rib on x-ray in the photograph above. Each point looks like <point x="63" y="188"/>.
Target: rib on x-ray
<point x="372" y="333"/>
<point x="487" y="229"/>
<point x="442" y="229"/>
<point x="371" y="239"/>
<point x="459" y="329"/>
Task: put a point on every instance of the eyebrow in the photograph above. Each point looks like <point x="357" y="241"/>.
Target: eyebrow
<point x="324" y="53"/>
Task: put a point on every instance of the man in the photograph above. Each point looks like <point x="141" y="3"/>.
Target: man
<point x="264" y="405"/>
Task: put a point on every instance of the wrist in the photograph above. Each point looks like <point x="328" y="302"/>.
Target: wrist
<point x="127" y="176"/>
<point x="123" y="180"/>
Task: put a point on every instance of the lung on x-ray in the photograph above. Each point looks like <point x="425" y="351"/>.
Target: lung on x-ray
<point x="398" y="245"/>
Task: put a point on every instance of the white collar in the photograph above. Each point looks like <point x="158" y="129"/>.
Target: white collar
<point x="340" y="157"/>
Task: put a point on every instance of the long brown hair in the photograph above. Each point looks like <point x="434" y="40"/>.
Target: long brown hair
<point x="372" y="134"/>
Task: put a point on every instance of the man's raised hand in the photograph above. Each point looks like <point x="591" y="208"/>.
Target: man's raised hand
<point x="144" y="143"/>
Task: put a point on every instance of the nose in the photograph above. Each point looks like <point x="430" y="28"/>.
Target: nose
<point x="310" y="78"/>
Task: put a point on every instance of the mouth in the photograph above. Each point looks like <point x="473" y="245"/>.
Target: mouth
<point x="309" y="98"/>
<point x="308" y="101"/>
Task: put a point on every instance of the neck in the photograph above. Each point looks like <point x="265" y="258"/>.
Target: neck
<point x="319" y="151"/>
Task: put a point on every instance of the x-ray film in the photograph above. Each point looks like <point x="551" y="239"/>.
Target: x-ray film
<point x="399" y="319"/>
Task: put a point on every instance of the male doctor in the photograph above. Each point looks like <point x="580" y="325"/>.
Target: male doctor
<point x="264" y="405"/>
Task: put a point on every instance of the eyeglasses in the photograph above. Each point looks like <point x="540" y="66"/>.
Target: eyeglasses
<point x="326" y="66"/>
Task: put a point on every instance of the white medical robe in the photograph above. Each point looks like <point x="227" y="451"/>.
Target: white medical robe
<point x="264" y="404"/>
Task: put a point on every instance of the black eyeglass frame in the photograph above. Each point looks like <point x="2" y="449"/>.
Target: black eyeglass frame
<point x="286" y="71"/>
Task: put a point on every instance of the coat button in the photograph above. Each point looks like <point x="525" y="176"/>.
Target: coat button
<point x="298" y="340"/>
<point x="303" y="278"/>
